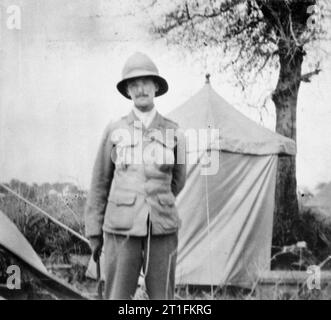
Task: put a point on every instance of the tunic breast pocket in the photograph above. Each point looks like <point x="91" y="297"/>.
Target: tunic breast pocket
<point x="127" y="153"/>
<point x="160" y="152"/>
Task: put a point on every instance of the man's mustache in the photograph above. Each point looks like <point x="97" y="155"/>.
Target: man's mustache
<point x="142" y="95"/>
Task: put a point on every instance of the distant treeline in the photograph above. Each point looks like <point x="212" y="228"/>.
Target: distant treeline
<point x="35" y="192"/>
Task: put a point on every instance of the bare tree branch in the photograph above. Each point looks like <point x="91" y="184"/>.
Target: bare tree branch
<point x="307" y="76"/>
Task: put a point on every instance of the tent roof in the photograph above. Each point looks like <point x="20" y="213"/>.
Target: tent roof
<point x="238" y="133"/>
<point x="14" y="242"/>
<point x="12" y="239"/>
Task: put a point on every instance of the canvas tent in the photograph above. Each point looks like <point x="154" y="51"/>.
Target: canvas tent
<point x="226" y="216"/>
<point x="13" y="240"/>
<point x="14" y="244"/>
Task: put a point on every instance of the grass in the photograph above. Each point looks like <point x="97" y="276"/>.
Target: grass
<point x="48" y="240"/>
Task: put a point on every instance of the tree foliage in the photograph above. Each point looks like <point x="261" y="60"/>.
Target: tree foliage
<point x="248" y="35"/>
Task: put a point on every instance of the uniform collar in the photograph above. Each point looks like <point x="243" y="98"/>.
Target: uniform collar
<point x="157" y="121"/>
<point x="144" y="115"/>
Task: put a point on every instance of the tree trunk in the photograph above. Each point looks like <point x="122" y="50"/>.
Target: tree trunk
<point x="285" y="99"/>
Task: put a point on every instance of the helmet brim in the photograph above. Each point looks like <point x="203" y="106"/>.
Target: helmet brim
<point x="161" y="82"/>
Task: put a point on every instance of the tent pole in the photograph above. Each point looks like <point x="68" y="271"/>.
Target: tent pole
<point x="208" y="230"/>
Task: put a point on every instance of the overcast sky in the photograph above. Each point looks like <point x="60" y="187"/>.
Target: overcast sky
<point x="58" y="90"/>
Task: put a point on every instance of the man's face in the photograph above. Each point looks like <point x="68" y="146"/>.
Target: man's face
<point x="142" y="92"/>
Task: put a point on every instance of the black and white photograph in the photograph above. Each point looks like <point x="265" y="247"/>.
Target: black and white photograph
<point x="165" y="150"/>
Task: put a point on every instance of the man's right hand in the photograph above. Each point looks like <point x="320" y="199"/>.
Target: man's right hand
<point x="96" y="243"/>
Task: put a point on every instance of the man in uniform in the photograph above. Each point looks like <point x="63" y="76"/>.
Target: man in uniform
<point x="139" y="170"/>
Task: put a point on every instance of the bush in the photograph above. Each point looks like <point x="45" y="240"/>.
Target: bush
<point x="311" y="229"/>
<point x="316" y="232"/>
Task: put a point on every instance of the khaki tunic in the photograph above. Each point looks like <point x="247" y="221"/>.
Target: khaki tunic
<point x="137" y="172"/>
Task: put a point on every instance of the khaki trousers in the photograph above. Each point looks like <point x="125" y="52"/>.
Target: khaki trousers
<point x="124" y="258"/>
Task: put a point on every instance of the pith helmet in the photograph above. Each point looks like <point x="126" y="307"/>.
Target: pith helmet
<point x="140" y="65"/>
